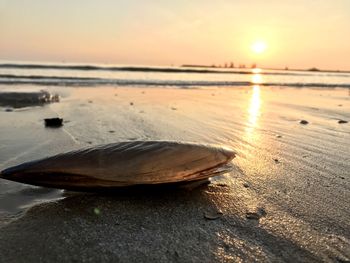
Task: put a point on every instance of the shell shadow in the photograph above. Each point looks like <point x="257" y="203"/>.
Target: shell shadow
<point x="162" y="224"/>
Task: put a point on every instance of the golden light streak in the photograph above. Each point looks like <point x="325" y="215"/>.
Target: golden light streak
<point x="254" y="106"/>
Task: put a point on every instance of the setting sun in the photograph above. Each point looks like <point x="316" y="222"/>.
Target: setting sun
<point x="259" y="47"/>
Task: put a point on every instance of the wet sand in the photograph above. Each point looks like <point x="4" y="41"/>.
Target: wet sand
<point x="286" y="200"/>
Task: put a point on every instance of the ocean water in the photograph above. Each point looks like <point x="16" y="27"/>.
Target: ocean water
<point x="65" y="74"/>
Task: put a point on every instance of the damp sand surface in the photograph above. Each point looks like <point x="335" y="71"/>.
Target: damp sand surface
<point x="286" y="200"/>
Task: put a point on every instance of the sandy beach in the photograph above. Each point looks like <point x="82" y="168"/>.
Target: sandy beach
<point x="286" y="200"/>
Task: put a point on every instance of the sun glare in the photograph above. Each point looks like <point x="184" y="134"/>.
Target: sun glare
<point x="259" y="47"/>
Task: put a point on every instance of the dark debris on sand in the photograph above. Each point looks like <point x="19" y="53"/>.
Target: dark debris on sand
<point x="304" y="122"/>
<point x="53" y="122"/>
<point x="27" y="99"/>
<point x="246" y="185"/>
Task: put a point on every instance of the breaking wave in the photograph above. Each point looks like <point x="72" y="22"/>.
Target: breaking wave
<point x="91" y="81"/>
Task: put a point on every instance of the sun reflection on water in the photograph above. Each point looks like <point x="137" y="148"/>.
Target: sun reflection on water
<point x="256" y="70"/>
<point x="257" y="79"/>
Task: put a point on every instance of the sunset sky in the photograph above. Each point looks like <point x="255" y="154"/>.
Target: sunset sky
<point x="297" y="34"/>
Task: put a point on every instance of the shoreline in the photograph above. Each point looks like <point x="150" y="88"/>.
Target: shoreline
<point x="315" y="70"/>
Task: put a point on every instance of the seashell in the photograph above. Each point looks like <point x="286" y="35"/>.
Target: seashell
<point x="124" y="164"/>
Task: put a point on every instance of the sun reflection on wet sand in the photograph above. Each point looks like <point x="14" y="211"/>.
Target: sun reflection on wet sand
<point x="253" y="112"/>
<point x="254" y="106"/>
<point x="251" y="139"/>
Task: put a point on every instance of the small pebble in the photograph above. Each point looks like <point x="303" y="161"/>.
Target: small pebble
<point x="131" y="103"/>
<point x="246" y="185"/>
<point x="53" y="122"/>
<point x="256" y="215"/>
<point x="173" y="108"/>
<point x="97" y="211"/>
<point x="278" y="136"/>
<point x="304" y="122"/>
<point x="111" y="131"/>
<point x="90" y="101"/>
<point x="252" y="215"/>
<point x="262" y="211"/>
<point x="342" y="121"/>
<point x="276" y="160"/>
<point x="213" y="215"/>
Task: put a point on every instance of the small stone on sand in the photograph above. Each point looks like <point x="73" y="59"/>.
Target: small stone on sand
<point x="304" y="122"/>
<point x="213" y="215"/>
<point x="342" y="121"/>
<point x="256" y="215"/>
<point x="246" y="185"/>
<point x="97" y="211"/>
<point x="278" y="136"/>
<point x="252" y="215"/>
<point x="276" y="160"/>
<point x="262" y="211"/>
<point x="131" y="103"/>
<point x="53" y="122"/>
<point x="173" y="108"/>
<point x="111" y="131"/>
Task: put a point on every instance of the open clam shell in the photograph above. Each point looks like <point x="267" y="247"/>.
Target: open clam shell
<point x="124" y="164"/>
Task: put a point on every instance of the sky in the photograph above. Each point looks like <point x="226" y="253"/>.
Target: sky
<point x="297" y="33"/>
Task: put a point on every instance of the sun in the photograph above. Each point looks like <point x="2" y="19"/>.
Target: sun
<point x="259" y="47"/>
